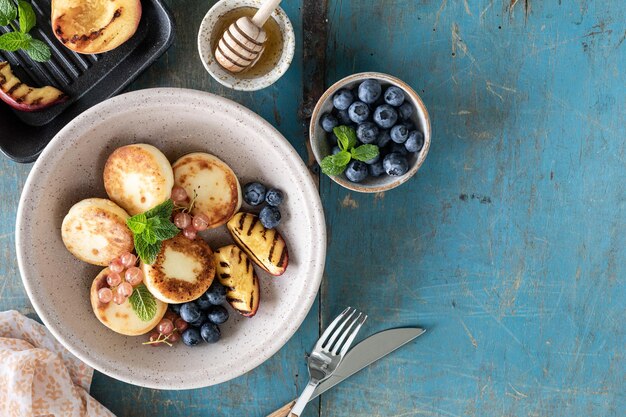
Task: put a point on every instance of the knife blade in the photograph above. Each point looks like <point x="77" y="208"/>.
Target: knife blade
<point x="367" y="352"/>
<point x="362" y="355"/>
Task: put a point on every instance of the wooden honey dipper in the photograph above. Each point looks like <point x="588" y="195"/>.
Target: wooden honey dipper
<point x="243" y="42"/>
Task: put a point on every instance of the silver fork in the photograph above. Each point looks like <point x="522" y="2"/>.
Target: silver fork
<point x="329" y="351"/>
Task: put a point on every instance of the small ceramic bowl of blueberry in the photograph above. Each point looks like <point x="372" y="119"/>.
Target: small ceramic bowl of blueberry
<point x="370" y="132"/>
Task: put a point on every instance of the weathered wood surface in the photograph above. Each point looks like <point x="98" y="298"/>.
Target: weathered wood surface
<point x="508" y="246"/>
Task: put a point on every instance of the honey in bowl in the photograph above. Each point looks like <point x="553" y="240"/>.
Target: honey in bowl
<point x="273" y="45"/>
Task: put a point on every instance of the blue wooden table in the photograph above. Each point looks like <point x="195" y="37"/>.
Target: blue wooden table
<point x="508" y="246"/>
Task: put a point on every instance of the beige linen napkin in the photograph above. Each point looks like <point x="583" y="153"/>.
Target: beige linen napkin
<point x="38" y="376"/>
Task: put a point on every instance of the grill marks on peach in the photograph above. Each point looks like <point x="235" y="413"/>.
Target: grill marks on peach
<point x="236" y="274"/>
<point x="21" y="93"/>
<point x="265" y="246"/>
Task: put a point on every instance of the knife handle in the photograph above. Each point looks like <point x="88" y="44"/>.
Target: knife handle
<point x="284" y="411"/>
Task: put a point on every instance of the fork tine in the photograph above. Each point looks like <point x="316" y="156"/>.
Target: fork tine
<point x="330" y="328"/>
<point x="345" y="333"/>
<point x="352" y="336"/>
<point x="338" y="331"/>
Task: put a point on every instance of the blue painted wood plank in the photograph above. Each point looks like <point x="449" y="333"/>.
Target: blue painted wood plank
<point x="509" y="243"/>
<point x="282" y="377"/>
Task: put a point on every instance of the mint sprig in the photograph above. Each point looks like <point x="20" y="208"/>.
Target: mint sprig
<point x="143" y="303"/>
<point x="151" y="228"/>
<point x="346" y="139"/>
<point x="20" y="38"/>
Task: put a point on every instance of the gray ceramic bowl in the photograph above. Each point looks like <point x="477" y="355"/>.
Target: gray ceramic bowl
<point x="321" y="147"/>
<point x="236" y="82"/>
<point x="177" y="121"/>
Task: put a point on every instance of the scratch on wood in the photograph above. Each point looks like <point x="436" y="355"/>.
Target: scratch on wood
<point x="526" y="8"/>
<point x="467" y="9"/>
<point x="379" y="196"/>
<point x="459" y="44"/>
<point x="469" y="334"/>
<point x="349" y="202"/>
<point x="443" y="5"/>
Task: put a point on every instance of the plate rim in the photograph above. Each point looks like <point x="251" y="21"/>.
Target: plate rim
<point x="178" y="95"/>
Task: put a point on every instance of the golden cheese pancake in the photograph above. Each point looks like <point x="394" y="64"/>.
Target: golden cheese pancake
<point x="95" y="231"/>
<point x="121" y="318"/>
<point x="183" y="270"/>
<point x="215" y="186"/>
<point x="138" y="177"/>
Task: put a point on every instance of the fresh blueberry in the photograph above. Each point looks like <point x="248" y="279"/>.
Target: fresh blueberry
<point x="358" y="112"/>
<point x="397" y="148"/>
<point x="175" y="308"/>
<point x="385" y="116"/>
<point x="216" y="294"/>
<point x="415" y="142"/>
<point x="395" y="164"/>
<point x="191" y="336"/>
<point x="190" y="312"/>
<point x="376" y="170"/>
<point x="254" y="193"/>
<point x="210" y="332"/>
<point x="336" y="150"/>
<point x="203" y="301"/>
<point x="343" y="117"/>
<point x="328" y="122"/>
<point x="373" y="160"/>
<point x="394" y="96"/>
<point x="399" y="133"/>
<point x="367" y="132"/>
<point x="383" y="138"/>
<point x="406" y="110"/>
<point x="274" y="197"/>
<point x="198" y="322"/>
<point x="369" y="91"/>
<point x="342" y="99"/>
<point x="270" y="216"/>
<point x="409" y="125"/>
<point x="217" y="315"/>
<point x="356" y="171"/>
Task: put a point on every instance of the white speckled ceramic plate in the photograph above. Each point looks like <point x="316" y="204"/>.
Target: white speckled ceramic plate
<point x="176" y="121"/>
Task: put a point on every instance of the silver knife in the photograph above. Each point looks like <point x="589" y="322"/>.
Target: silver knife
<point x="362" y="355"/>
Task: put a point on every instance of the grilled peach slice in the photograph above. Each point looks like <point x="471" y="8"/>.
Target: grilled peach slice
<point x="95" y="26"/>
<point x="266" y="247"/>
<point x="236" y="273"/>
<point x="23" y="97"/>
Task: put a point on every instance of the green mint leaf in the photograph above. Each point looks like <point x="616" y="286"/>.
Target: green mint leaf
<point x="149" y="236"/>
<point x="13" y="41"/>
<point x="346" y="137"/>
<point x="143" y="303"/>
<point x="163" y="210"/>
<point x="342" y="158"/>
<point x="146" y="251"/>
<point x="137" y="223"/>
<point x="330" y="167"/>
<point x="27" y="16"/>
<point x="38" y="51"/>
<point x="365" y="152"/>
<point x="165" y="230"/>
<point x="8" y="12"/>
